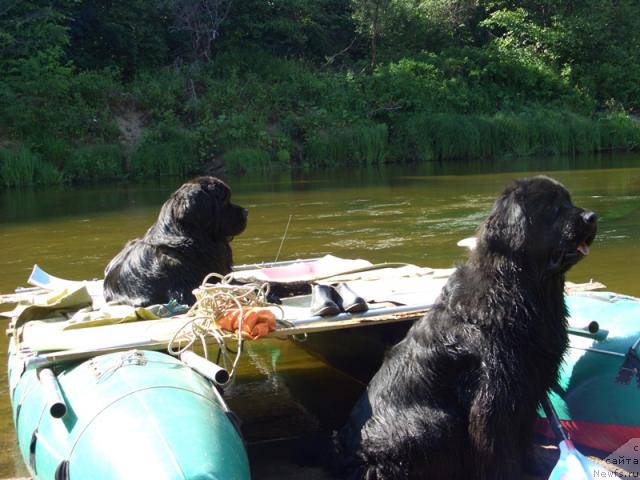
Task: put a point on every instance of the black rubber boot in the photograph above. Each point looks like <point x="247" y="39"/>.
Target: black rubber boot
<point x="351" y="301"/>
<point x="322" y="301"/>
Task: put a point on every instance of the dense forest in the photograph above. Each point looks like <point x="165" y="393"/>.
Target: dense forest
<point x="103" y="89"/>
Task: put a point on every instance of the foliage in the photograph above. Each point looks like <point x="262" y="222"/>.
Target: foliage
<point x="405" y="27"/>
<point x="364" y="144"/>
<point x="90" y="163"/>
<point x="310" y="29"/>
<point x="166" y="151"/>
<point x="17" y="166"/>
<point x="531" y="132"/>
<point x="261" y="85"/>
<point x="123" y="36"/>
<point x="242" y="160"/>
<point x="21" y="167"/>
<point x="618" y="132"/>
<point x="594" y="44"/>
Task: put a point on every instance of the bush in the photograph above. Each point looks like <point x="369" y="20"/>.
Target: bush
<point x="90" y="163"/>
<point x="47" y="174"/>
<point x="55" y="150"/>
<point x="165" y="151"/>
<point x="243" y="160"/>
<point x="161" y="91"/>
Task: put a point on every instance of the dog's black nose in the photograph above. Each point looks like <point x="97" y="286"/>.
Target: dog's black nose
<point x="589" y="217"/>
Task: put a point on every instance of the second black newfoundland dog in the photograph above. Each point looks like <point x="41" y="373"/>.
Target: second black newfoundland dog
<point x="189" y="240"/>
<point x="457" y="398"/>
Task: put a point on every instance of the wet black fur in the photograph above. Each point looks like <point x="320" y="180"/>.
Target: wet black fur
<point x="456" y="399"/>
<point x="189" y="240"/>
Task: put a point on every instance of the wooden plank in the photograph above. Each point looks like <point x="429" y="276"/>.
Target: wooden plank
<point x="325" y="326"/>
<point x="382" y="284"/>
<point x="157" y="336"/>
<point x="571" y="287"/>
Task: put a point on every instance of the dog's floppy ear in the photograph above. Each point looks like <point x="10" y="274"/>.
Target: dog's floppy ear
<point x="193" y="207"/>
<point x="505" y="227"/>
<point x="199" y="203"/>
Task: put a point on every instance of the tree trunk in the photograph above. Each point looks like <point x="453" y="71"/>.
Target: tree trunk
<point x="374" y="34"/>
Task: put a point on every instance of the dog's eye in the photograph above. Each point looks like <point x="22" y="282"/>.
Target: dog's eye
<point x="223" y="196"/>
<point x="559" y="208"/>
<point x="554" y="210"/>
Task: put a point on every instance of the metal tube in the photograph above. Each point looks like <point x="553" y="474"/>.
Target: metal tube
<point x="204" y="367"/>
<point x="592" y="330"/>
<point x="52" y="393"/>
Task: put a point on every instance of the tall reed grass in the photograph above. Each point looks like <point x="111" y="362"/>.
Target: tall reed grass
<point x="444" y="136"/>
<point x="19" y="167"/>
<point x="243" y="160"/>
<point x="172" y="150"/>
<point x="365" y="144"/>
<point x="90" y="163"/>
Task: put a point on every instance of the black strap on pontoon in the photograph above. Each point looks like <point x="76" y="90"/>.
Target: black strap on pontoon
<point x="630" y="367"/>
<point x="32" y="451"/>
<point x="62" y="471"/>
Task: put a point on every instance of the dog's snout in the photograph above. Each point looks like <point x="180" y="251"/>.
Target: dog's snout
<point x="245" y="212"/>
<point x="589" y="217"/>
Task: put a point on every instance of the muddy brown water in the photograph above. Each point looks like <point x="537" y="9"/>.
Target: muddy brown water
<point x="400" y="214"/>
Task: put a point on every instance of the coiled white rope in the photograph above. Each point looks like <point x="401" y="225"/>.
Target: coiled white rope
<point x="213" y="302"/>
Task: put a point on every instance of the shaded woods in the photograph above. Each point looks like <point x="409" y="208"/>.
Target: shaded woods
<point x="93" y="90"/>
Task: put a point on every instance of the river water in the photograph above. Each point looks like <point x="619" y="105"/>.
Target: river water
<point x="408" y="214"/>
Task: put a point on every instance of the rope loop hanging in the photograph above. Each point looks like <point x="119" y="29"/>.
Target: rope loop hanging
<point x="215" y="302"/>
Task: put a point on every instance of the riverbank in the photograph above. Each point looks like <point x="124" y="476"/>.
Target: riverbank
<point x="130" y="91"/>
<point x="413" y="138"/>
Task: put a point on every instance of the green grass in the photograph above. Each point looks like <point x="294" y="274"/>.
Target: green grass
<point x="19" y="167"/>
<point x="168" y="149"/>
<point x="444" y="136"/>
<point x="47" y="174"/>
<point x="619" y="133"/>
<point x="243" y="160"/>
<point x="165" y="152"/>
<point x="90" y="163"/>
<point x="365" y="144"/>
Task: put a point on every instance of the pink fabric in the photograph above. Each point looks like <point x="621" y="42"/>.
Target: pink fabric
<point x="324" y="267"/>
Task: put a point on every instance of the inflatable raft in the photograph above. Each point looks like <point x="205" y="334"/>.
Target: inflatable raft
<point x="128" y="415"/>
<point x="598" y="396"/>
<point x="94" y="396"/>
<point x="116" y="413"/>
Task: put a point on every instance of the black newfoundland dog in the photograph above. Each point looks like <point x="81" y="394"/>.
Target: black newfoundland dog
<point x="189" y="240"/>
<point x="456" y="399"/>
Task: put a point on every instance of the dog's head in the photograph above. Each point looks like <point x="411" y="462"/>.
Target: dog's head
<point x="203" y="204"/>
<point x="535" y="217"/>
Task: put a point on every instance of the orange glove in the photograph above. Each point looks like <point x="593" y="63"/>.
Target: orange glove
<point x="256" y="322"/>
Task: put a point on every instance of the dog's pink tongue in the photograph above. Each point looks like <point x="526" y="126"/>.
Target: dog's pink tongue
<point x="584" y="249"/>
